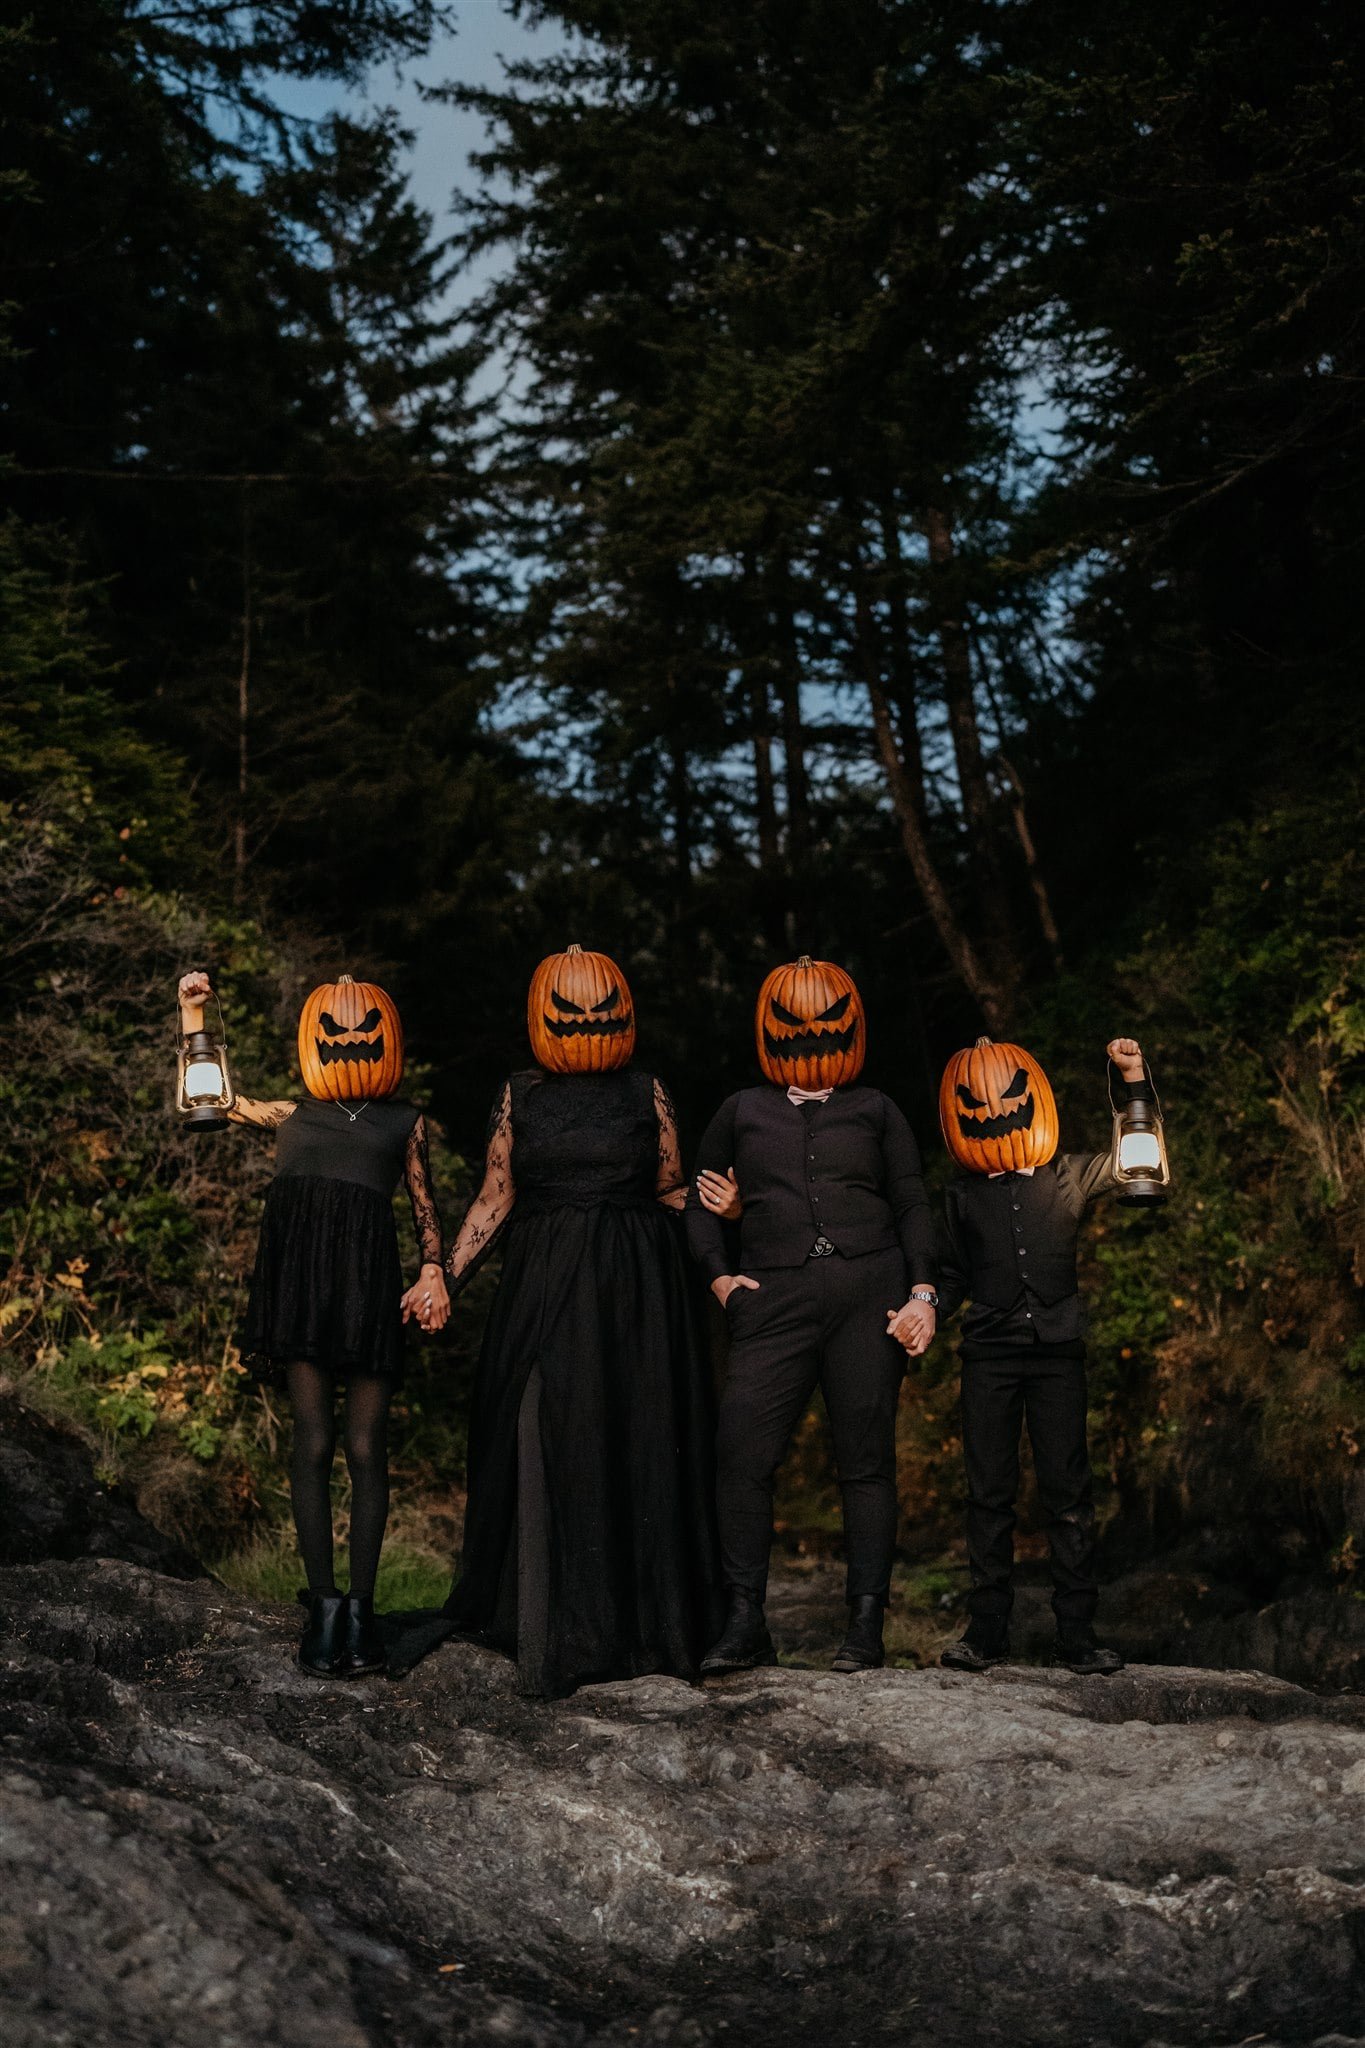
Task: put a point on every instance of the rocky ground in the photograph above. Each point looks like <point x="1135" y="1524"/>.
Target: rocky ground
<point x="200" y="1846"/>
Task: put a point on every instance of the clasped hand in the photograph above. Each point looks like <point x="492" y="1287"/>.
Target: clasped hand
<point x="427" y="1300"/>
<point x="912" y="1326"/>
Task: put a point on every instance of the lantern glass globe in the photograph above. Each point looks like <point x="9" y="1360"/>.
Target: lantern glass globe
<point x="204" y="1081"/>
<point x="1139" y="1152"/>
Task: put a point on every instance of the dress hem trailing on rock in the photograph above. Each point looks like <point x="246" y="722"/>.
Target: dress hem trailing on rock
<point x="590" y="1549"/>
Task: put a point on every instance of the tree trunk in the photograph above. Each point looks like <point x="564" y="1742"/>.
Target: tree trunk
<point x="901" y="664"/>
<point x="243" y="711"/>
<point x="680" y="792"/>
<point x="980" y="984"/>
<point x="1024" y="834"/>
<point x="1023" y="831"/>
<point x="793" y="732"/>
<point x="765" y="795"/>
<point x="960" y="699"/>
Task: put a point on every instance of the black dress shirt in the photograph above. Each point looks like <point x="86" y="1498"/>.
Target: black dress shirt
<point x="1009" y="1247"/>
<point x="847" y="1170"/>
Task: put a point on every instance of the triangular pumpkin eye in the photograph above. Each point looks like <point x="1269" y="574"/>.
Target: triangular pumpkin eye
<point x="967" y="1099"/>
<point x="607" y="1004"/>
<point x="786" y="1016"/>
<point x="329" y="1024"/>
<point x="835" y="1010"/>
<point x="367" y="1022"/>
<point x="1017" y="1085"/>
<point x="564" y="1006"/>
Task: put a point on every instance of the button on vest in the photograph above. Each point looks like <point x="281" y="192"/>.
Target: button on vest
<point x="1020" y="1233"/>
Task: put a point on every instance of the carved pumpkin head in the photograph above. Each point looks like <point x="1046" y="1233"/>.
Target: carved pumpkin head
<point x="809" y="1025"/>
<point x="579" y="1013"/>
<point x="350" y="1042"/>
<point x="996" y="1109"/>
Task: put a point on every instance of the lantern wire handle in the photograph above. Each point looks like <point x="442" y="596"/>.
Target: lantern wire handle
<point x="181" y="1034"/>
<point x="1110" y="1069"/>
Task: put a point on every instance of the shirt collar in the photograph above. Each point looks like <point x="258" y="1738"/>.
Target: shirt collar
<point x="1020" y="1172"/>
<point x="799" y="1095"/>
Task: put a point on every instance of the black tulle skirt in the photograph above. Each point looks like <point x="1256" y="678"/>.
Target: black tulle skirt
<point x="327" y="1282"/>
<point x="590" y="1548"/>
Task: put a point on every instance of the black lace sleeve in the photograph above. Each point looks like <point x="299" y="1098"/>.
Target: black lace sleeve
<point x="426" y="1217"/>
<point x="671" y="1185"/>
<point x="483" y="1220"/>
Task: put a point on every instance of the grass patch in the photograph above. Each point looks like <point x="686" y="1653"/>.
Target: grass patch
<point x="269" y="1569"/>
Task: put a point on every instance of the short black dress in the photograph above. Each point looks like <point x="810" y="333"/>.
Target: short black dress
<point x="590" y="1546"/>
<point x="327" y="1283"/>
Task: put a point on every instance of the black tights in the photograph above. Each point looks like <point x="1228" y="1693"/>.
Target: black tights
<point x="312" y="1393"/>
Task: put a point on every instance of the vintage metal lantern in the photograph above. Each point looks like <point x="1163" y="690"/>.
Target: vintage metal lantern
<point x="203" y="1089"/>
<point x="1139" y="1151"/>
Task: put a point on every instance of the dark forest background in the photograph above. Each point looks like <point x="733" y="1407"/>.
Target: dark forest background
<point x="898" y="496"/>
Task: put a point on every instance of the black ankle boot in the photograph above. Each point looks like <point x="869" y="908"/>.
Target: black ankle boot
<point x="861" y="1649"/>
<point x="744" y="1642"/>
<point x="320" y="1647"/>
<point x="1079" y="1651"/>
<point x="986" y="1642"/>
<point x="362" y="1645"/>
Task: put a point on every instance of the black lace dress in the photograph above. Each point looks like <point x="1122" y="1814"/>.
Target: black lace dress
<point x="327" y="1282"/>
<point x="589" y="1549"/>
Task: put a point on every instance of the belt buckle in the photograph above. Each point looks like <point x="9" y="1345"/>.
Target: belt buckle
<point x="822" y="1248"/>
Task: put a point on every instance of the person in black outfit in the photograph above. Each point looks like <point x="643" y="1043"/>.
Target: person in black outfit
<point x="327" y="1305"/>
<point x="1010" y="1249"/>
<point x="834" y="1287"/>
<point x="589" y="1542"/>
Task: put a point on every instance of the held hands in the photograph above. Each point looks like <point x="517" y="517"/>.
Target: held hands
<point x="1126" y="1054"/>
<point x="720" y="1194"/>
<point x="724" y="1286"/>
<point x="912" y="1326"/>
<point x="427" y="1300"/>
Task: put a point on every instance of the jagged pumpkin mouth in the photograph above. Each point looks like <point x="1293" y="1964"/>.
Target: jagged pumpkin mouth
<point x="350" y="1055"/>
<point x="1000" y="1126"/>
<point x="805" y="1045"/>
<point x="586" y="1027"/>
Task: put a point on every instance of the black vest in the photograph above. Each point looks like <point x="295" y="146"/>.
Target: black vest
<point x="1019" y="1234"/>
<point x="806" y="1176"/>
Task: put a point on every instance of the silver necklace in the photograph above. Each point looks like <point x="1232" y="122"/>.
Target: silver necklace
<point x="354" y="1113"/>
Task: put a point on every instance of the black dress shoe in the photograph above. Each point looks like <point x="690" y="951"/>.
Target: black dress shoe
<point x="1078" y="1650"/>
<point x="861" y="1649"/>
<point x="743" y="1643"/>
<point x="984" y="1644"/>
<point x="320" y="1647"/>
<point x="362" y="1645"/>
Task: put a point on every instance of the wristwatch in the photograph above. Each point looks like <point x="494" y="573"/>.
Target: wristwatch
<point x="928" y="1294"/>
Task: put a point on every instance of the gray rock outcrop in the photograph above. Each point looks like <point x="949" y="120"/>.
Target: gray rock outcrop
<point x="53" y="1503"/>
<point x="200" y="1846"/>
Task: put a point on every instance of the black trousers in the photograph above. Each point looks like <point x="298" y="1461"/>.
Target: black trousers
<point x="822" y="1325"/>
<point x="998" y="1396"/>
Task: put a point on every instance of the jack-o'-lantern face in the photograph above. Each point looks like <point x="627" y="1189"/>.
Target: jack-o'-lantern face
<point x="996" y="1109"/>
<point x="579" y="1014"/>
<point x="350" y="1042"/>
<point x="809" y="1025"/>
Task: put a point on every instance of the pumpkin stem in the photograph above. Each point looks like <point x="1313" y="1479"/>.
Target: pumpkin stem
<point x="345" y="981"/>
<point x="983" y="1041"/>
<point x="805" y="961"/>
<point x="575" y="948"/>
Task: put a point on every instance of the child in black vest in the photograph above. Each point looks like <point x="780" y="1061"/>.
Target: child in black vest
<point x="1012" y="1219"/>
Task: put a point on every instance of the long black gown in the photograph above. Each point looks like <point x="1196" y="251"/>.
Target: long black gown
<point x="590" y="1548"/>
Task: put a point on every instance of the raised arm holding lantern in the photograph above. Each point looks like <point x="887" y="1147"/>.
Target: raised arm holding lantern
<point x="327" y="1304"/>
<point x="1012" y="1217"/>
